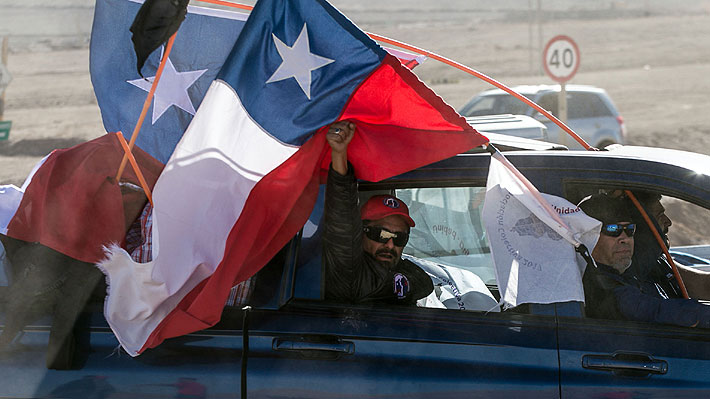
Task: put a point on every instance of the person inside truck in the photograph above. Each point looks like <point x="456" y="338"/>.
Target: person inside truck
<point x="611" y="294"/>
<point x="362" y="250"/>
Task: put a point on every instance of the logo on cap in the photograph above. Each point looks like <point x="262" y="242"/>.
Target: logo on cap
<point x="391" y="202"/>
<point x="401" y="286"/>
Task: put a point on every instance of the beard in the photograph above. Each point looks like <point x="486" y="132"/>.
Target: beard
<point x="390" y="262"/>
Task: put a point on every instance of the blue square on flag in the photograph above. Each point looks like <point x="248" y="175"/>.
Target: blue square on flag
<point x="204" y="41"/>
<point x="288" y="79"/>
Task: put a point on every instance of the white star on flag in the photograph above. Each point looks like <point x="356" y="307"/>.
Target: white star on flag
<point x="171" y="90"/>
<point x="298" y="62"/>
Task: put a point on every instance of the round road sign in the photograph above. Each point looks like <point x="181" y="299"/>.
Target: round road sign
<point x="561" y="58"/>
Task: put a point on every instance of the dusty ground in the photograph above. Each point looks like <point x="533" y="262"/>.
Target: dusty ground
<point x="652" y="59"/>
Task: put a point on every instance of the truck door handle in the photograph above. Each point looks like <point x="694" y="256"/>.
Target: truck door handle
<point x="626" y="363"/>
<point x="297" y="345"/>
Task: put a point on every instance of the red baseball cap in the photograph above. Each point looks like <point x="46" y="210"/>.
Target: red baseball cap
<point x="381" y="206"/>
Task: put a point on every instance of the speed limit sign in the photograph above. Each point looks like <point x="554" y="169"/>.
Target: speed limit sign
<point x="561" y="58"/>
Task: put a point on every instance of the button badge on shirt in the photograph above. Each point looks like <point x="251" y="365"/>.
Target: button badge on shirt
<point x="401" y="286"/>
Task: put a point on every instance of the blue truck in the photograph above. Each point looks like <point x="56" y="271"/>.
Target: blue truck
<point x="290" y="342"/>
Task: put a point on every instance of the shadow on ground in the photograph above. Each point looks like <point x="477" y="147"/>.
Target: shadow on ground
<point x="37" y="147"/>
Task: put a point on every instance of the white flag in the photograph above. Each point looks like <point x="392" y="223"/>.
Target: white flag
<point x="454" y="288"/>
<point x="533" y="238"/>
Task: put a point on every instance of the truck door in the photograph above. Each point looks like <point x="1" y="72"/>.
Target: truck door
<point x="206" y="364"/>
<point x="312" y="348"/>
<point x="607" y="358"/>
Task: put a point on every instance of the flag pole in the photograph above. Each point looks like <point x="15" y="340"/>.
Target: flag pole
<point x="485" y="78"/>
<point x="134" y="164"/>
<point x="146" y="105"/>
<point x="531" y="187"/>
<point x="660" y="241"/>
<point x="228" y="4"/>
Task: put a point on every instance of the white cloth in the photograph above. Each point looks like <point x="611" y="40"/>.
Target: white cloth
<point x="533" y="238"/>
<point x="455" y="288"/>
<point x="11" y="196"/>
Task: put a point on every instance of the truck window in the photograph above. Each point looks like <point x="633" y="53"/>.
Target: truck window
<point x="450" y="244"/>
<point x="449" y="229"/>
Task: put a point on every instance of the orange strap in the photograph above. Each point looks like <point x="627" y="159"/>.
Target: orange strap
<point x="657" y="235"/>
<point x="229" y="4"/>
<point x="146" y="105"/>
<point x="129" y="155"/>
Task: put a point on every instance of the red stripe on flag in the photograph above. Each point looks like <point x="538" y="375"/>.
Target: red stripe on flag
<point x="277" y="208"/>
<point x="411" y="64"/>
<point x="402" y="125"/>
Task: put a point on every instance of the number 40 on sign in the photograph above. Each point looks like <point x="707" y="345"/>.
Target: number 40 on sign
<point x="561" y="58"/>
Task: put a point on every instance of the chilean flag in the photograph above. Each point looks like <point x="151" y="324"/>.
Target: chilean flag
<point x="244" y="177"/>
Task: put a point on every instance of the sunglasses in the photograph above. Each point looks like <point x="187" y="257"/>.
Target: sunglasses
<point x="615" y="229"/>
<point x="382" y="235"/>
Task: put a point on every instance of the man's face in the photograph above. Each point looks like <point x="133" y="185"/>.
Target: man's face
<point x="615" y="251"/>
<point x="657" y="210"/>
<point x="386" y="253"/>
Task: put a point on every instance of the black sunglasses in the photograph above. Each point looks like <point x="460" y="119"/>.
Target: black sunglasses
<point x="615" y="229"/>
<point x="382" y="235"/>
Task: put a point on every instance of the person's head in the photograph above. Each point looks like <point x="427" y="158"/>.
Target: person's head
<point x="652" y="204"/>
<point x="386" y="225"/>
<point x="616" y="242"/>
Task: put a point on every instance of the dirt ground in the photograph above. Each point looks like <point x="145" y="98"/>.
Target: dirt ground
<point x="651" y="58"/>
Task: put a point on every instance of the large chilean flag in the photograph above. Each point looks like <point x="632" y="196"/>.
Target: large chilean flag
<point x="244" y="177"/>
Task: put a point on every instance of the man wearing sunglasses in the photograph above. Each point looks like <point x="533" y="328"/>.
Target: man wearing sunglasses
<point x="612" y="294"/>
<point x="362" y="250"/>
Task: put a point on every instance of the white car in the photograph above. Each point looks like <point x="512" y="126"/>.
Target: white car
<point x="590" y="112"/>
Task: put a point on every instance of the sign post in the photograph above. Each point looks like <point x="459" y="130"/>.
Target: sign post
<point x="561" y="61"/>
<point x="5" y="76"/>
<point x="5" y="79"/>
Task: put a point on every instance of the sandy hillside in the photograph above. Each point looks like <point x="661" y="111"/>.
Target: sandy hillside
<point x="651" y="57"/>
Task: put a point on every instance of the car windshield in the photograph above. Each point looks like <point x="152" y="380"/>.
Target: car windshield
<point x="492" y="104"/>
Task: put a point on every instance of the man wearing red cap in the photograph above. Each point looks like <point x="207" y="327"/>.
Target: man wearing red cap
<point x="362" y="251"/>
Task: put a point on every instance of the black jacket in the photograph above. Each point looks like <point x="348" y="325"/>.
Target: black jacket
<point x="609" y="295"/>
<point x="351" y="274"/>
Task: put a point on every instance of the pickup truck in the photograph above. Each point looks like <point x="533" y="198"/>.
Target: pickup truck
<point x="290" y="342"/>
